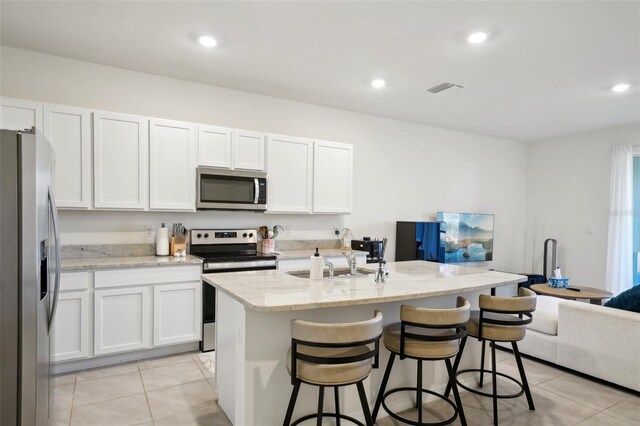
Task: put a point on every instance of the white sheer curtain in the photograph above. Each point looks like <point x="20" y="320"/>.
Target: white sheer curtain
<point x="619" y="276"/>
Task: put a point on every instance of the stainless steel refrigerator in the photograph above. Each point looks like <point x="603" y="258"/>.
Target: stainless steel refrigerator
<point x="29" y="276"/>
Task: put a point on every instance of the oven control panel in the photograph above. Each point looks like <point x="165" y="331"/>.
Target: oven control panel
<point x="223" y="236"/>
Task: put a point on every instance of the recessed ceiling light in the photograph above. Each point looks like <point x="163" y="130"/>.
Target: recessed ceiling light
<point x="477" y="38"/>
<point x="207" y="41"/>
<point x="622" y="87"/>
<point x="378" y="83"/>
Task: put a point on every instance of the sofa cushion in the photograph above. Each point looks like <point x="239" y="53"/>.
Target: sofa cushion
<point x="628" y="300"/>
<point x="545" y="317"/>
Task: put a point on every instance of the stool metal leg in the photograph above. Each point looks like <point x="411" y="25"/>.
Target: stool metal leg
<point x="456" y="395"/>
<point x="292" y="403"/>
<point x="525" y="383"/>
<point x="456" y="364"/>
<point x="337" y="397"/>
<point x="383" y="386"/>
<point x="320" y="405"/>
<point x="481" y="382"/>
<point x="365" y="404"/>
<point x="419" y="392"/>
<point x="495" y="385"/>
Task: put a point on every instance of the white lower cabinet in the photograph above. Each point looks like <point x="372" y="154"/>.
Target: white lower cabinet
<point x="122" y="319"/>
<point x="176" y="317"/>
<point x="71" y="327"/>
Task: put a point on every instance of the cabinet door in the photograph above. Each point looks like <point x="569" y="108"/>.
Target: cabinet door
<point x="290" y="172"/>
<point x="248" y="150"/>
<point x="172" y="163"/>
<point x="18" y="114"/>
<point x="214" y="146"/>
<point x="332" y="177"/>
<point x="120" y="153"/>
<point x="122" y="319"/>
<point x="69" y="131"/>
<point x="177" y="313"/>
<point x="71" y="327"/>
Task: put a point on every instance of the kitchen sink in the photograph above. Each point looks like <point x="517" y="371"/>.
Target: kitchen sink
<point x="337" y="273"/>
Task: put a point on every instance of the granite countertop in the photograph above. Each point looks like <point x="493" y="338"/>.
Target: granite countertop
<point x="305" y="253"/>
<point x="277" y="291"/>
<point x="84" y="264"/>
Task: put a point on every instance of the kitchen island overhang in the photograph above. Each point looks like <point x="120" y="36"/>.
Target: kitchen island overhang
<point x="253" y="314"/>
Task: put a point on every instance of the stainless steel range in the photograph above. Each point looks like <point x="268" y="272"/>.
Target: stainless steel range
<point x="224" y="250"/>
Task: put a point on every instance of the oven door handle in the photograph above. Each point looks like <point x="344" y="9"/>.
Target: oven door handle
<point x="212" y="266"/>
<point x="256" y="185"/>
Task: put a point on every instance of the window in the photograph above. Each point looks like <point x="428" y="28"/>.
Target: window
<point x="636" y="219"/>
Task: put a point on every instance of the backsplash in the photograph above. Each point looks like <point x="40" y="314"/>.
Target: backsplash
<point x="84" y="251"/>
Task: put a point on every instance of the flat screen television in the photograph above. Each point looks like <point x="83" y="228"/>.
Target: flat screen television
<point x="468" y="238"/>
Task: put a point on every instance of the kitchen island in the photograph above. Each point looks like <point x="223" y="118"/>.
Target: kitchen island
<point x="253" y="314"/>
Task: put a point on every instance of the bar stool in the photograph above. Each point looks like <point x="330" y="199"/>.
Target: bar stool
<point x="500" y="319"/>
<point x="425" y="334"/>
<point x="334" y="355"/>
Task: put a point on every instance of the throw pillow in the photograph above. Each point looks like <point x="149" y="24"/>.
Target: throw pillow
<point x="629" y="300"/>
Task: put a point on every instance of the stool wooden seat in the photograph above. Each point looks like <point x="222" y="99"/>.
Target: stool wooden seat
<point x="334" y="355"/>
<point x="500" y="319"/>
<point x="425" y="334"/>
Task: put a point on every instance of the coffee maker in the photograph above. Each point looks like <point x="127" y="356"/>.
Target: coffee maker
<point x="373" y="247"/>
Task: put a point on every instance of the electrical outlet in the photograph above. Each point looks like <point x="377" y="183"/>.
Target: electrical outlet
<point x="336" y="230"/>
<point x="148" y="230"/>
<point x="288" y="230"/>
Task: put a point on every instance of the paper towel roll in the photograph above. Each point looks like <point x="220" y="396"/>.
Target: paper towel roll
<point x="162" y="241"/>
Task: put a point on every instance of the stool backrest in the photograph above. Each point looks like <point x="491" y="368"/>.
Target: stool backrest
<point x="454" y="319"/>
<point x="522" y="305"/>
<point x="335" y="335"/>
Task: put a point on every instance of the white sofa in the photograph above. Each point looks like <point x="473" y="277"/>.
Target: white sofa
<point x="599" y="341"/>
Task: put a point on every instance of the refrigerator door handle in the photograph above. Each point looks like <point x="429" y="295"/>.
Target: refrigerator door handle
<point x="56" y="232"/>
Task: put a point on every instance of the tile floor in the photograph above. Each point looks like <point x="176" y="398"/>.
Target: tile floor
<point x="178" y="391"/>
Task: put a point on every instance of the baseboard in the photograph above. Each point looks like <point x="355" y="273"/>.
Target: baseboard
<point x="107" y="360"/>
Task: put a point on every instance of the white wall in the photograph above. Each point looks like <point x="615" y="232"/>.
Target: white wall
<point x="402" y="171"/>
<point x="567" y="194"/>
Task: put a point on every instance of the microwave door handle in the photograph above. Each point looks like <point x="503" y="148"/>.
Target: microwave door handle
<point x="257" y="190"/>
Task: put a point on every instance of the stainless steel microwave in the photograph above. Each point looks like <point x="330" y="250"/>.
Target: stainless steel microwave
<point x="231" y="189"/>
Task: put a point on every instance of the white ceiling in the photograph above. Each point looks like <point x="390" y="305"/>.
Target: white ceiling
<point x="546" y="70"/>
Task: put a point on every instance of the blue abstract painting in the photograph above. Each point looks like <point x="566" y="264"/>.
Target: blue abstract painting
<point x="469" y="237"/>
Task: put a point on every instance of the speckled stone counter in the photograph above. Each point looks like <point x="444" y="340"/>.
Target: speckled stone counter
<point x="277" y="291"/>
<point x="254" y="311"/>
<point x="306" y="253"/>
<point x="86" y="264"/>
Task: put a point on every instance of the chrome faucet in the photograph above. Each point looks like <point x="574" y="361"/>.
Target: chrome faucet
<point x="331" y="268"/>
<point x="352" y="261"/>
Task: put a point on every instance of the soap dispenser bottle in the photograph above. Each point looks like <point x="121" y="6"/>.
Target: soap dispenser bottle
<point x="317" y="266"/>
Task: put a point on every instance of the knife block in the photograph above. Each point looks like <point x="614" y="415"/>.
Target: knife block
<point x="177" y="244"/>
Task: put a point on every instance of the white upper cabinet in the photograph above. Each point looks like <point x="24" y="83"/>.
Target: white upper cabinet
<point x="214" y="146"/>
<point x="120" y="160"/>
<point x="230" y="148"/>
<point x="172" y="165"/>
<point x="290" y="174"/>
<point x="332" y="177"/>
<point x="18" y="114"/>
<point x="248" y="150"/>
<point x="69" y="131"/>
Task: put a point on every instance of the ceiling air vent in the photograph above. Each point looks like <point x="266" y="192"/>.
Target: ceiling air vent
<point x="441" y="87"/>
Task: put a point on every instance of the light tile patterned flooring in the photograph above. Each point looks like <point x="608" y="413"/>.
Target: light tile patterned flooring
<point x="179" y="391"/>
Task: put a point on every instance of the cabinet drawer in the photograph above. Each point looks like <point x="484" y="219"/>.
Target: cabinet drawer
<point x="75" y="281"/>
<point x="142" y="276"/>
